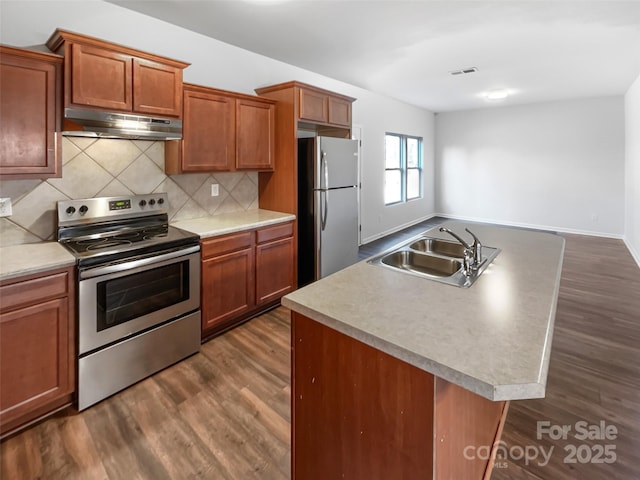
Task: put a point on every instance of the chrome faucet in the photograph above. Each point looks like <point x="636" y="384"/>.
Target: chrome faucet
<point x="472" y="253"/>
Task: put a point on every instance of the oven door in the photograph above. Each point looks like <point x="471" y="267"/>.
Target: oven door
<point x="118" y="300"/>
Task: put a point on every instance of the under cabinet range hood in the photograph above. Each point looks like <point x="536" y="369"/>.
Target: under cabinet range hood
<point x="95" y="123"/>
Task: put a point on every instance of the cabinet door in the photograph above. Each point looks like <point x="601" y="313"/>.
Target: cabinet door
<point x="29" y="133"/>
<point x="313" y="106"/>
<point x="274" y="270"/>
<point x="157" y="88"/>
<point x="100" y="78"/>
<point x="208" y="142"/>
<point x="339" y="112"/>
<point x="255" y="135"/>
<point x="227" y="287"/>
<point x="34" y="358"/>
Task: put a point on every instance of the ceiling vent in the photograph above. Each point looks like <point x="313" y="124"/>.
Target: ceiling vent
<point x="464" y="71"/>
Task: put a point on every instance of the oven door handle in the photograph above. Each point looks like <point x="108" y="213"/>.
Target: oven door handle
<point x="119" y="267"/>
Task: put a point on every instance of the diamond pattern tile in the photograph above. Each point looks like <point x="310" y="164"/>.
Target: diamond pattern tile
<point x="114" y="155"/>
<point x="37" y="211"/>
<point x="190" y="210"/>
<point x="81" y="142"/>
<point x="106" y="168"/>
<point x="228" y="180"/>
<point x="155" y="152"/>
<point x="81" y="178"/>
<point x="12" y="234"/>
<point x="69" y="150"/>
<point x="115" y="188"/>
<point x="142" y="175"/>
<point x="177" y="196"/>
<point x="191" y="182"/>
<point x="245" y="192"/>
<point x="16" y="189"/>
<point x="203" y="198"/>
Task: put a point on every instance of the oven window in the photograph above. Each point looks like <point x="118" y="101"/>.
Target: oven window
<point x="132" y="296"/>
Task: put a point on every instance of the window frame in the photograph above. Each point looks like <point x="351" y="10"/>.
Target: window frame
<point x="404" y="167"/>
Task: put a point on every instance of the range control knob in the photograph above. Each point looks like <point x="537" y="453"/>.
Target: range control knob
<point x="160" y="201"/>
<point x="152" y="202"/>
<point x="71" y="210"/>
<point x="83" y="209"/>
<point x="142" y="203"/>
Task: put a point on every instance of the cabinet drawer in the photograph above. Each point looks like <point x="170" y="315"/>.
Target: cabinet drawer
<point x="226" y="243"/>
<point x="34" y="290"/>
<point x="272" y="233"/>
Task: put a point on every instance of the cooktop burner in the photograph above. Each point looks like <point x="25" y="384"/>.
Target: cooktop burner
<point x="102" y="230"/>
<point x="111" y="241"/>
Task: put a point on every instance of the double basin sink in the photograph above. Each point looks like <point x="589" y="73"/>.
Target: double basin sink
<point x="435" y="259"/>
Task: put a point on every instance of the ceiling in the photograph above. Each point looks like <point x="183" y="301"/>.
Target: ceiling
<point x="538" y="50"/>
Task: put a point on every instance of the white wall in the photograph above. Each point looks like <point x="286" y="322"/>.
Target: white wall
<point x="557" y="165"/>
<point x="632" y="169"/>
<point x="379" y="117"/>
<point x="217" y="64"/>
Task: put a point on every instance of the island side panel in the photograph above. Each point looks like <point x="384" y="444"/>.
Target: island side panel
<point x="468" y="428"/>
<point x="357" y="413"/>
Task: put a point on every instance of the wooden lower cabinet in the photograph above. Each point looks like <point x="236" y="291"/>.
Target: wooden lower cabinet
<point x="362" y="414"/>
<point x="244" y="273"/>
<point x="274" y="263"/>
<point x="227" y="279"/>
<point x="37" y="347"/>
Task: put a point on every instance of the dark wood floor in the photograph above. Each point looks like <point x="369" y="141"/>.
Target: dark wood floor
<point x="225" y="412"/>
<point x="594" y="373"/>
<point x="221" y="414"/>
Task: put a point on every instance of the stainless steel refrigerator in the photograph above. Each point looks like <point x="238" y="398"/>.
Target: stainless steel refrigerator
<point x="327" y="206"/>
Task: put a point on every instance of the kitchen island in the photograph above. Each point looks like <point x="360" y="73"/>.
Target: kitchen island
<point x="396" y="376"/>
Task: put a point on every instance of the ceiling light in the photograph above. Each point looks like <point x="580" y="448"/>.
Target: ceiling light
<point x="497" y="94"/>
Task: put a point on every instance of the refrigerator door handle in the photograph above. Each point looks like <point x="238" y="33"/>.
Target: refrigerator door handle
<point x="325" y="170"/>
<point x="325" y="192"/>
<point x="325" y="210"/>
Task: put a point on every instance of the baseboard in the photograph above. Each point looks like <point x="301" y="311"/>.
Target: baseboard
<point x="634" y="253"/>
<point x="397" y="229"/>
<point x="531" y="226"/>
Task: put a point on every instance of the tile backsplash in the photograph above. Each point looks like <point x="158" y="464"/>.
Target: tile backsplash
<point x="106" y="168"/>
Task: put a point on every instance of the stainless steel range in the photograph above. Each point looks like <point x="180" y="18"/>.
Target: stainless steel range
<point x="138" y="290"/>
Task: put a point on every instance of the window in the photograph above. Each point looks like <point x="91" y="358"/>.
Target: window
<point x="403" y="168"/>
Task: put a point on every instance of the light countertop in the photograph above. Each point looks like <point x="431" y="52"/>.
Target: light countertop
<point x="493" y="338"/>
<point x="29" y="258"/>
<point x="233" y="222"/>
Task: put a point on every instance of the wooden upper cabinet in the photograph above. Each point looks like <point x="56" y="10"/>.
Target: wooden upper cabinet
<point x="157" y="88"/>
<point x="255" y="134"/>
<point x="323" y="107"/>
<point x="222" y="132"/>
<point x="314" y="106"/>
<point x="107" y="76"/>
<point x="208" y="136"/>
<point x="339" y="111"/>
<point x="99" y="78"/>
<point x="30" y="108"/>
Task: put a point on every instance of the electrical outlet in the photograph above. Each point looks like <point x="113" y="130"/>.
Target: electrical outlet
<point x="215" y="191"/>
<point x="5" y="207"/>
